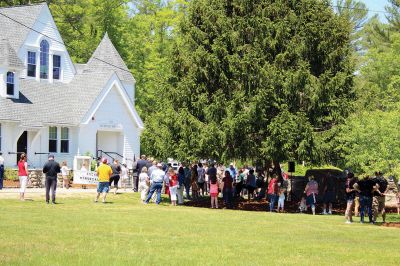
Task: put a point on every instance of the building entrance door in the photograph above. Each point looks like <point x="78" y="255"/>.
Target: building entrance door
<point x="22" y="144"/>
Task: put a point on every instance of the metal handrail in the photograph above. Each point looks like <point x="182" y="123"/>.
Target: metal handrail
<point x="110" y="153"/>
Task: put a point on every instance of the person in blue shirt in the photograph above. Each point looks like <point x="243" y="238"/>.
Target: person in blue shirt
<point x="232" y="170"/>
<point x="156" y="179"/>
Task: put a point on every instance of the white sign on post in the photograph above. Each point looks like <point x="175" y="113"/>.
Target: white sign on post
<point x="85" y="177"/>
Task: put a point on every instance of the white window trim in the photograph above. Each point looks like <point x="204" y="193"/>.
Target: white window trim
<point x="14" y="83"/>
<point x="36" y="65"/>
<point x="52" y="51"/>
<point x="56" y="139"/>
<point x="61" y="79"/>
<point x="69" y="140"/>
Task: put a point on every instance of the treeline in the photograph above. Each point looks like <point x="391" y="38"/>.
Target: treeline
<point x="260" y="81"/>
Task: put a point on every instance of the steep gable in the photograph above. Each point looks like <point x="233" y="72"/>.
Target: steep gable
<point x="105" y="58"/>
<point x="11" y="20"/>
<point x="8" y="57"/>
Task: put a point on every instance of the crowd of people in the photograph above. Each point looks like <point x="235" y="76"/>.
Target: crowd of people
<point x="365" y="196"/>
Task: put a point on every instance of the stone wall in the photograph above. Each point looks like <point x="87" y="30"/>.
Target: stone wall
<point x="36" y="178"/>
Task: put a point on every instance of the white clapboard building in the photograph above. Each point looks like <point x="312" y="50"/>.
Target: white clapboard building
<point x="48" y="104"/>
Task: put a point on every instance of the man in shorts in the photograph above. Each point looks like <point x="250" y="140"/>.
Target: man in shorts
<point x="378" y="200"/>
<point x="104" y="172"/>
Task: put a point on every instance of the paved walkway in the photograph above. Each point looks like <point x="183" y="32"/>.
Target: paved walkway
<point x="13" y="193"/>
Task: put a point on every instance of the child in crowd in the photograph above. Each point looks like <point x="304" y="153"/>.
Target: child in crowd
<point x="214" y="186"/>
<point x="303" y="204"/>
<point x="281" y="199"/>
<point x="65" y="173"/>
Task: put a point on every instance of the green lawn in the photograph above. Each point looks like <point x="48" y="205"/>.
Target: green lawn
<point x="126" y="232"/>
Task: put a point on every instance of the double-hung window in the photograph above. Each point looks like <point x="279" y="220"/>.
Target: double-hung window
<point x="10" y="83"/>
<point x="56" y="66"/>
<point x="31" y="64"/>
<point x="64" y="140"/>
<point x="53" y="139"/>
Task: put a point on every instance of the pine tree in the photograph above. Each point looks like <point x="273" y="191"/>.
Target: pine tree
<point x="255" y="78"/>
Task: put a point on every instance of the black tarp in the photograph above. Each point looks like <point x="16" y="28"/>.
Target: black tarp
<point x="320" y="175"/>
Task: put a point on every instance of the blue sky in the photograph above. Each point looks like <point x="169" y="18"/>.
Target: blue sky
<point x="376" y="5"/>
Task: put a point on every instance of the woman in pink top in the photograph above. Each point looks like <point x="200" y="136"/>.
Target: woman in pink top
<point x="214" y="186"/>
<point x="311" y="191"/>
<point x="23" y="175"/>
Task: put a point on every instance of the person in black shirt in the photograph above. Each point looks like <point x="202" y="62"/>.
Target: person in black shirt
<point x="365" y="187"/>
<point x="378" y="200"/>
<point x="329" y="193"/>
<point x="115" y="176"/>
<point x="51" y="169"/>
<point x="350" y="196"/>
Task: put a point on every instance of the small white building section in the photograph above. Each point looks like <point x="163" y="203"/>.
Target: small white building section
<point x="49" y="105"/>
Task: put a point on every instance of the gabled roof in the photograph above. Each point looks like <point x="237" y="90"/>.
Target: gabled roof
<point x="43" y="103"/>
<point x="8" y="57"/>
<point x="14" y="32"/>
<point x="106" y="58"/>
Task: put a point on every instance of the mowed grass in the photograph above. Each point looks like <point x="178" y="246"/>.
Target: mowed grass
<point x="126" y="232"/>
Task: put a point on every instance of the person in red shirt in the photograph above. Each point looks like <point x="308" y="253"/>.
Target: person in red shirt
<point x="272" y="192"/>
<point x="173" y="185"/>
<point x="23" y="175"/>
<point x="227" y="190"/>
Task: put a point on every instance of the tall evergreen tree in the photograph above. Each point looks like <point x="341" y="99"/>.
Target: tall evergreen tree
<point x="255" y="78"/>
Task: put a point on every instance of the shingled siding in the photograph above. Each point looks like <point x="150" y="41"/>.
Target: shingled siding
<point x="45" y="24"/>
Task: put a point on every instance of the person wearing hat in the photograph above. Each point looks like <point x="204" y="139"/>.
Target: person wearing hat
<point x="156" y="180"/>
<point x="232" y="170"/>
<point x="104" y="173"/>
<point x="51" y="169"/>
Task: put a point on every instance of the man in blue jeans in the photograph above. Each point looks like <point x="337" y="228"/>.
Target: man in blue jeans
<point x="365" y="187"/>
<point x="156" y="179"/>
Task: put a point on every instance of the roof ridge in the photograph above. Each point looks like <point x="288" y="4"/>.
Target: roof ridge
<point x="27" y="5"/>
<point x="106" y="56"/>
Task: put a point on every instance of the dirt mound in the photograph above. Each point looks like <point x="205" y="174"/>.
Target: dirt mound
<point x="263" y="205"/>
<point x="396" y="225"/>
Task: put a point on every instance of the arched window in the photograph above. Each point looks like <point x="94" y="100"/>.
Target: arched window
<point x="10" y="83"/>
<point x="44" y="59"/>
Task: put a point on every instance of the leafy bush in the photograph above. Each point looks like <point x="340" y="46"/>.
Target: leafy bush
<point x="11" y="174"/>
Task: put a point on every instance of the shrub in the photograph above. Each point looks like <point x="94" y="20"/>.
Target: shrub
<point x="11" y="174"/>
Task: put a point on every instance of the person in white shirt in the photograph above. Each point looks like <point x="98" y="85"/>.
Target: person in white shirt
<point x="144" y="182"/>
<point x="65" y="173"/>
<point x="124" y="175"/>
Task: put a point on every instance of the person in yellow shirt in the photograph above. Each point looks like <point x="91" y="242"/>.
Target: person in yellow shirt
<point x="104" y="172"/>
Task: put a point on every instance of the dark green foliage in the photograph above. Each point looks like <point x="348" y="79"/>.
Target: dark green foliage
<point x="257" y="78"/>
